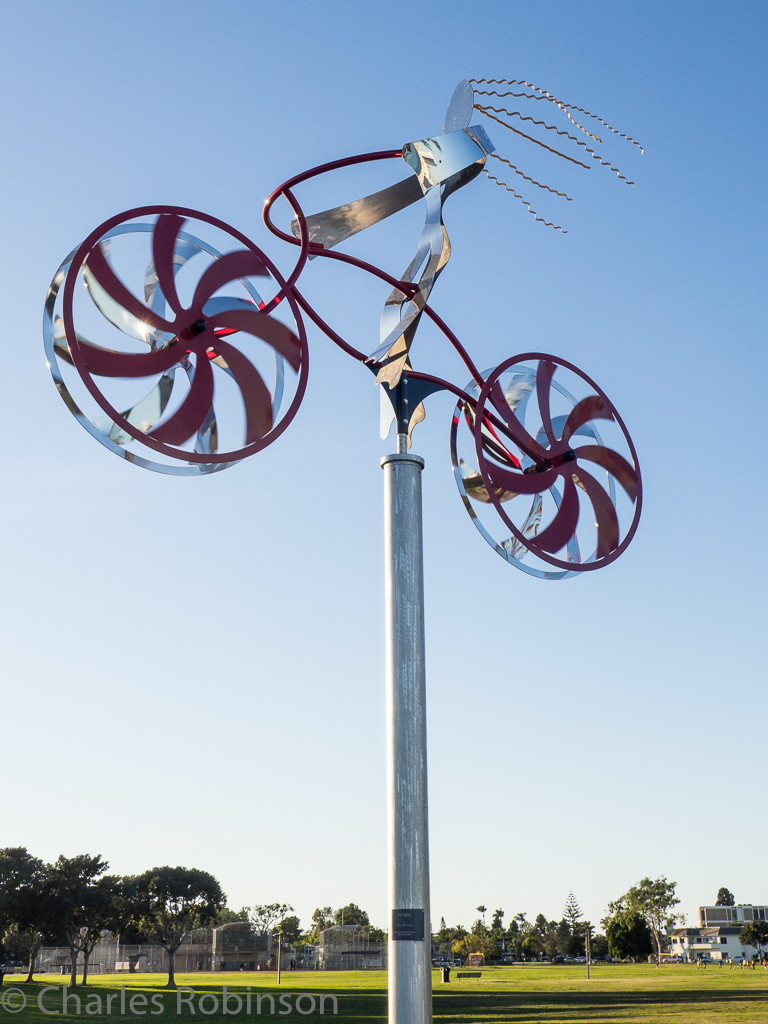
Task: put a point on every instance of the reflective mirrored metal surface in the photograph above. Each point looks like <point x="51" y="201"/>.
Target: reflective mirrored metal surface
<point x="334" y="226"/>
<point x="460" y="108"/>
<point x="437" y="160"/>
<point x="441" y="165"/>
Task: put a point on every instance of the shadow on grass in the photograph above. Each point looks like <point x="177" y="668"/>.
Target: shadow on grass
<point x="553" y="1007"/>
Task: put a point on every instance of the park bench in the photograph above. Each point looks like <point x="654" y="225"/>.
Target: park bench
<point x="468" y="974"/>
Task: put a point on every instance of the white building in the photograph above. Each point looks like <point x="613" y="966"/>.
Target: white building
<point x="717" y="935"/>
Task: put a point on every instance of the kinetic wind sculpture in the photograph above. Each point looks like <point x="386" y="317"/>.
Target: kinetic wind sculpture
<point x="185" y="352"/>
<point x="193" y="371"/>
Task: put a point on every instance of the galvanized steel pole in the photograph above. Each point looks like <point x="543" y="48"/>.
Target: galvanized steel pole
<point x="410" y="945"/>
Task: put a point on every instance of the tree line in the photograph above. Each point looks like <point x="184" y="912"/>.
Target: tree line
<point x="74" y="902"/>
<point x="522" y="938"/>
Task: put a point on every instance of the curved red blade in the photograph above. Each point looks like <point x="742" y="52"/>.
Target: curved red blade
<point x="520" y="483"/>
<point x="114" y="287"/>
<point x="256" y="396"/>
<point x="192" y="412"/>
<point x="105" y="363"/>
<point x="616" y="465"/>
<point x="230" y="267"/>
<point x="563" y="526"/>
<point x="594" y="407"/>
<point x="265" y="327"/>
<point x="606" y="520"/>
<point x="163" y="247"/>
<point x="543" y="386"/>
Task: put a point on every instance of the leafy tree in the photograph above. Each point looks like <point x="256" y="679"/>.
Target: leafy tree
<point x="572" y="915"/>
<point x="23" y="944"/>
<point x="174" y="901"/>
<point x="754" y="933"/>
<point x="442" y="937"/>
<point x="290" y="929"/>
<point x="264" y="916"/>
<point x="475" y="943"/>
<point x="322" y="918"/>
<point x="725" y="898"/>
<point x="228" y="916"/>
<point x="653" y="900"/>
<point x="23" y="912"/>
<point x="447" y="937"/>
<point x="98" y="915"/>
<point x="79" y="900"/>
<point x="563" y="936"/>
<point x="628" y="935"/>
<point x="351" y="914"/>
<point x="125" y="911"/>
<point x="599" y="945"/>
<point x="18" y="869"/>
<point x="496" y="920"/>
<point x="517" y="932"/>
<point x="550" y="938"/>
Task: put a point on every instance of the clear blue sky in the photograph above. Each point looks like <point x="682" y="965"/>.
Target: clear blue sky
<point x="193" y="669"/>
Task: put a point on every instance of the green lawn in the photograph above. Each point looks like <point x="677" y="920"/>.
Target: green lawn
<point x="615" y="994"/>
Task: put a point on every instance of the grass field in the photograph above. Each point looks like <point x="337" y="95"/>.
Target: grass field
<point x="615" y="994"/>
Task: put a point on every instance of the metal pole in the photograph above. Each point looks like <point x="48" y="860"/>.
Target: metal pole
<point x="410" y="940"/>
<point x="588" y="948"/>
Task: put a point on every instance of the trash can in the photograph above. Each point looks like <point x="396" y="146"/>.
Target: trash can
<point x="445" y="974"/>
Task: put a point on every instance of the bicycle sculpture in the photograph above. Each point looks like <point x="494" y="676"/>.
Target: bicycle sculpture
<point x="193" y="369"/>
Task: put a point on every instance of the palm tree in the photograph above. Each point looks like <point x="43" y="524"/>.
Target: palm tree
<point x="482" y="910"/>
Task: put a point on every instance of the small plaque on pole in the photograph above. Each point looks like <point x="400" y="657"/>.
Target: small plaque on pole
<point x="408" y="925"/>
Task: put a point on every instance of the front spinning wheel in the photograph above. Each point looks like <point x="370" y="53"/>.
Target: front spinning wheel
<point x="542" y="449"/>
